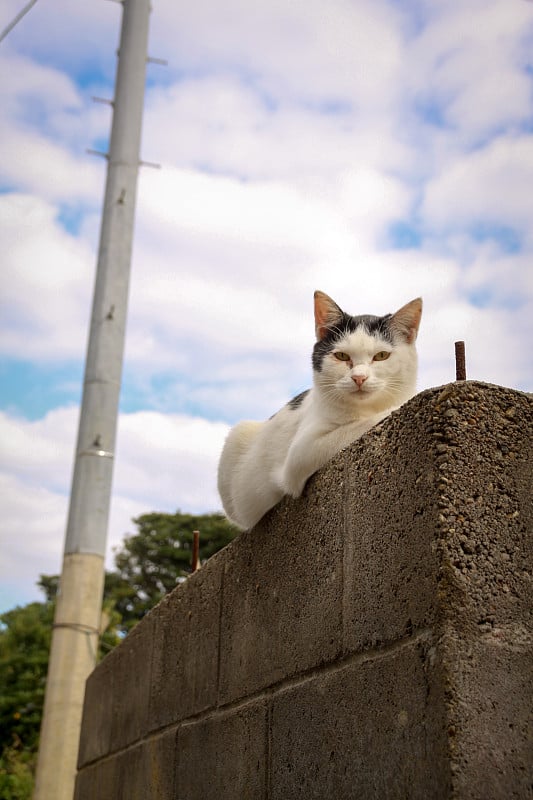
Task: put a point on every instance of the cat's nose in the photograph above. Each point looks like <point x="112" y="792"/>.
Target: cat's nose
<point x="359" y="379"/>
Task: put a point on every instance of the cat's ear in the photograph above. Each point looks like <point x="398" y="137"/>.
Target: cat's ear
<point x="327" y="314"/>
<point x="407" y="320"/>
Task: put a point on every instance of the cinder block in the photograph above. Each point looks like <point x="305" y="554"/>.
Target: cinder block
<point x="108" y="779"/>
<point x="126" y="775"/>
<point x="488" y="681"/>
<point x="88" y="782"/>
<point x="224" y="757"/>
<point x="143" y="772"/>
<point x="185" y="653"/>
<point x="160" y="759"/>
<point x="484" y="541"/>
<point x="282" y="598"/>
<point x="391" y="515"/>
<point x="439" y="514"/>
<point x="131" y="686"/>
<point x="483" y="458"/>
<point x="116" y="696"/>
<point x="95" y="737"/>
<point x="364" y="730"/>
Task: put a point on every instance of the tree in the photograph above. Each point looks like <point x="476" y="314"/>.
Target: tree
<point x="16" y="773"/>
<point x="25" y="634"/>
<point x="149" y="563"/>
<point x="50" y="585"/>
<point x="24" y="644"/>
<point x="152" y="561"/>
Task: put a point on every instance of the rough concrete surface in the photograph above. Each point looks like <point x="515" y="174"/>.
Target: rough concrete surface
<point x="185" y="661"/>
<point x="234" y="745"/>
<point x="372" y="639"/>
<point x="282" y="596"/>
<point x="116" y="696"/>
<point x="326" y="730"/>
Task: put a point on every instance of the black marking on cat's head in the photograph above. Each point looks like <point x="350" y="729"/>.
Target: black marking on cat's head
<point x="374" y="326"/>
<point x="298" y="400"/>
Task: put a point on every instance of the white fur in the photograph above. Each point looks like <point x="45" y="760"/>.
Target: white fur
<point x="263" y="461"/>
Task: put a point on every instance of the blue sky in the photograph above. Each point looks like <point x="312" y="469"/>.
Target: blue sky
<point x="376" y="150"/>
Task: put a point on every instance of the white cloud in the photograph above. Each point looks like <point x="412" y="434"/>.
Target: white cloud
<point x="47" y="282"/>
<point x="471" y="60"/>
<point x="170" y="460"/>
<point x="307" y="50"/>
<point x="40" y="451"/>
<point x="259" y="213"/>
<point x="37" y="90"/>
<point x="42" y="166"/>
<point x="73" y="36"/>
<point x="491" y="184"/>
<point x="292" y="137"/>
<point x="163" y="462"/>
<point x="31" y="539"/>
<point x="46" y="126"/>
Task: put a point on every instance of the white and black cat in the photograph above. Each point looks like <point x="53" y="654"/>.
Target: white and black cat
<point x="364" y="367"/>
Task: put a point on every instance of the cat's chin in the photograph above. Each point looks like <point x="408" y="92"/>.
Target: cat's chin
<point x="372" y="400"/>
<point x="362" y="393"/>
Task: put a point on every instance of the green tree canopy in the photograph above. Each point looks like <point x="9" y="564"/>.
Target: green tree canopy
<point x="149" y="563"/>
<point x="152" y="561"/>
<point x="25" y="634"/>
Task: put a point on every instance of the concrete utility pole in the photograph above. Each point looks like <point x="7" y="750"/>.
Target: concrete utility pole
<point x="79" y="602"/>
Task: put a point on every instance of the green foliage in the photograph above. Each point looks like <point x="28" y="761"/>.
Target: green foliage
<point x="25" y="634"/>
<point x="16" y="774"/>
<point x="50" y="586"/>
<point x="152" y="561"/>
<point x="24" y="643"/>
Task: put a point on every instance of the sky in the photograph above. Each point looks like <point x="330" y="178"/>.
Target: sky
<point x="378" y="150"/>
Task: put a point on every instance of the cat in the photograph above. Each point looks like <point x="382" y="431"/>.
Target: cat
<point x="364" y="367"/>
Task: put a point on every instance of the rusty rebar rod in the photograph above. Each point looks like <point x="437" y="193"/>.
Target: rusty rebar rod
<point x="460" y="362"/>
<point x="195" y="560"/>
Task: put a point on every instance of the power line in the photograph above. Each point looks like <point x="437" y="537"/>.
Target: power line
<point x="17" y="19"/>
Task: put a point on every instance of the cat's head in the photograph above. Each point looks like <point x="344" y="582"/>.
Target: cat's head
<point x="365" y="360"/>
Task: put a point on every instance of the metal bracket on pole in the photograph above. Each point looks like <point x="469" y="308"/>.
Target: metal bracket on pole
<point x="104" y="100"/>
<point x="97" y="153"/>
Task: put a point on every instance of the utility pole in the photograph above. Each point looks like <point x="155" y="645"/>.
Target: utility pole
<point x="79" y="603"/>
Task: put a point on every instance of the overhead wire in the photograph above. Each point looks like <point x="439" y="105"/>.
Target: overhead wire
<point x="17" y="19"/>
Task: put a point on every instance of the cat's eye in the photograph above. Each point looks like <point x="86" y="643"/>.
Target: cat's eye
<point x="342" y="356"/>
<point x="382" y="355"/>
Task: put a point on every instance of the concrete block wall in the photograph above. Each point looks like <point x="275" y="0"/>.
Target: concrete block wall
<point x="372" y="639"/>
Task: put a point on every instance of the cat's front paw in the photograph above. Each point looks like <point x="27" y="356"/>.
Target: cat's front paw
<point x="289" y="483"/>
<point x="294" y="486"/>
<point x="296" y="491"/>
